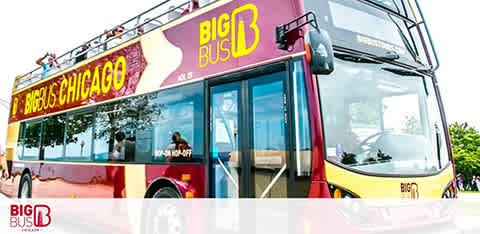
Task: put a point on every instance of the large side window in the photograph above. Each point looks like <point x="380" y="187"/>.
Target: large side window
<point x="174" y="120"/>
<point x="165" y="126"/>
<point x="52" y="137"/>
<point x="32" y="140"/>
<point x="79" y="136"/>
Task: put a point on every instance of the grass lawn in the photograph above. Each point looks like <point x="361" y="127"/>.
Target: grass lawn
<point x="470" y="192"/>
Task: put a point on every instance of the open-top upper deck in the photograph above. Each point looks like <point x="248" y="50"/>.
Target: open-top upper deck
<point x="221" y="37"/>
<point x="157" y="16"/>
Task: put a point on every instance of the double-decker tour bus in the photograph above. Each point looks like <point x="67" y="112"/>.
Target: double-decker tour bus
<point x="239" y="98"/>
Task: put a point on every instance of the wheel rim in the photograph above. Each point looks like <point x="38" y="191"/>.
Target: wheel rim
<point x="25" y="188"/>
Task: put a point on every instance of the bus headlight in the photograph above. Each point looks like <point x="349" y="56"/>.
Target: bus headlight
<point x="337" y="192"/>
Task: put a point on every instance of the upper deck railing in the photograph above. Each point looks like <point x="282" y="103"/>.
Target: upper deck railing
<point x="148" y="20"/>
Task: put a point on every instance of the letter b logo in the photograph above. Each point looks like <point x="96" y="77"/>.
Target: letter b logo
<point x="239" y="44"/>
<point x="42" y="216"/>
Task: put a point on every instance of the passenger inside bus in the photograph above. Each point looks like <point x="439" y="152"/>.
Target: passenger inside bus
<point x="179" y="149"/>
<point x="124" y="150"/>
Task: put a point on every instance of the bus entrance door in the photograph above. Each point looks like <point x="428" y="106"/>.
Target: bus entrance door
<point x="248" y="138"/>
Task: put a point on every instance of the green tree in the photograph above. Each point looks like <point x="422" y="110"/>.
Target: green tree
<point x="127" y="115"/>
<point x="54" y="128"/>
<point x="466" y="150"/>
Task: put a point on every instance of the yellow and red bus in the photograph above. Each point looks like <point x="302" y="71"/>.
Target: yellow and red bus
<point x="239" y="98"/>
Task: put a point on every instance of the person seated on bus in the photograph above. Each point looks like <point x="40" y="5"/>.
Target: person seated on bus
<point x="118" y="153"/>
<point x="192" y="6"/>
<point x="179" y="149"/>
<point x="115" y="33"/>
<point x="129" y="146"/>
<point x="124" y="149"/>
<point x="49" y="67"/>
<point x="82" y="53"/>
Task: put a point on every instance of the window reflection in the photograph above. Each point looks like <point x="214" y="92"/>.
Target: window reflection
<point x="174" y="128"/>
<point x="115" y="129"/>
<point x="53" y="137"/>
<point x="142" y="128"/>
<point x="269" y="140"/>
<point x="176" y="123"/>
<point x="225" y="139"/>
<point x="79" y="136"/>
<point x="165" y="126"/>
<point x="32" y="140"/>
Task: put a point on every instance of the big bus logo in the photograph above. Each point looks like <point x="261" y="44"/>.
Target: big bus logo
<point x="409" y="190"/>
<point x="30" y="218"/>
<point x="215" y="43"/>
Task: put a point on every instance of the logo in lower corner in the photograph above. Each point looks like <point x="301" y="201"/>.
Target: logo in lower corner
<point x="30" y="218"/>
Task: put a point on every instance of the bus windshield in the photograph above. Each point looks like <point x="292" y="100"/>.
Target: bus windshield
<point x="379" y="119"/>
<point x="366" y="28"/>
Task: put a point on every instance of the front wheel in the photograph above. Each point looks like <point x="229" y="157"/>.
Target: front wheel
<point x="163" y="216"/>
<point x="25" y="188"/>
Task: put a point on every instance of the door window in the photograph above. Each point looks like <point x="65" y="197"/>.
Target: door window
<point x="224" y="141"/>
<point x="253" y="110"/>
<point x="269" y="148"/>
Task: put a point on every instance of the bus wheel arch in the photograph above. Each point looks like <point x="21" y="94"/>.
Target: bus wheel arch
<point x="25" y="185"/>
<point x="164" y="186"/>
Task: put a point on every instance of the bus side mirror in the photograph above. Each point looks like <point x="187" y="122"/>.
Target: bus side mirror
<point x="319" y="52"/>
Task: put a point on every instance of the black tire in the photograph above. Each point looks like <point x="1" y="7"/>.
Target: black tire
<point x="164" y="217"/>
<point x="25" y="183"/>
<point x="166" y="192"/>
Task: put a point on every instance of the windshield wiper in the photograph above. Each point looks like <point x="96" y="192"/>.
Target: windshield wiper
<point x="401" y="72"/>
<point x="390" y="55"/>
<point x="355" y="58"/>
